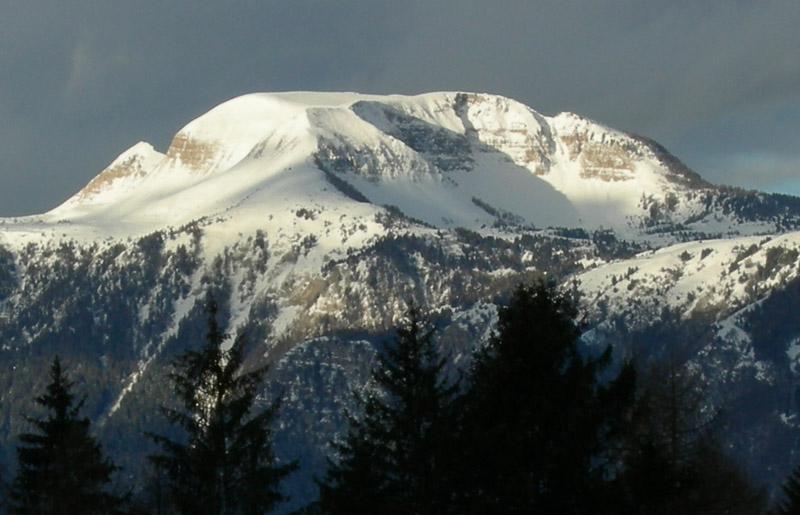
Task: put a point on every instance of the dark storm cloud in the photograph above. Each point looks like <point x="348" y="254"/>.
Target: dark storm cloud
<point x="717" y="82"/>
<point x="82" y="81"/>
<point x="634" y="63"/>
<point x="707" y="79"/>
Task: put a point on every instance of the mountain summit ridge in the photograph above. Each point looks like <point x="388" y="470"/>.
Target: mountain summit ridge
<point x="456" y="150"/>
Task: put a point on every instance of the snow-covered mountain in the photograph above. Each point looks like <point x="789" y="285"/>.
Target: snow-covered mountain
<point x="447" y="159"/>
<point x="315" y="216"/>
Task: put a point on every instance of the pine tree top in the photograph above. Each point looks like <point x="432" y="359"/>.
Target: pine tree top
<point x="62" y="468"/>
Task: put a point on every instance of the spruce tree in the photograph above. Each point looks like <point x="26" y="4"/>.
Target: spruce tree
<point x="535" y="420"/>
<point x="225" y="464"/>
<point x="61" y="466"/>
<point x="392" y="457"/>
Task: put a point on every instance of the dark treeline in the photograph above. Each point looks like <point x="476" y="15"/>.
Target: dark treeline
<point x="530" y="428"/>
<point x="534" y="425"/>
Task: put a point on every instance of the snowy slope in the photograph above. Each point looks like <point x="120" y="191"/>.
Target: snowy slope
<point x="314" y="216"/>
<point x="448" y="159"/>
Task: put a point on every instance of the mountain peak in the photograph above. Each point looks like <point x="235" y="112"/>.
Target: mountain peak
<point x="119" y="177"/>
<point x="444" y="158"/>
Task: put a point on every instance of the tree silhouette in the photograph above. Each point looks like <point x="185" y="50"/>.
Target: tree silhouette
<point x="61" y="466"/>
<point x="226" y="463"/>
<point x="535" y="420"/>
<point x="790" y="505"/>
<point x="674" y="462"/>
<point x="389" y="460"/>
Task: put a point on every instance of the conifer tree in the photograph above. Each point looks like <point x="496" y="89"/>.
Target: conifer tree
<point x="61" y="466"/>
<point x="674" y="462"/>
<point x="790" y="505"/>
<point x="535" y="420"/>
<point x="390" y="460"/>
<point x="668" y="431"/>
<point x="225" y="464"/>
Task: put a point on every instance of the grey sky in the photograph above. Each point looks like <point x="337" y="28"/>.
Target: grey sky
<point x="716" y="82"/>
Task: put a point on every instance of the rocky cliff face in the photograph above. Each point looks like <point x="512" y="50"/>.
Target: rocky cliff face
<point x="314" y="217"/>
